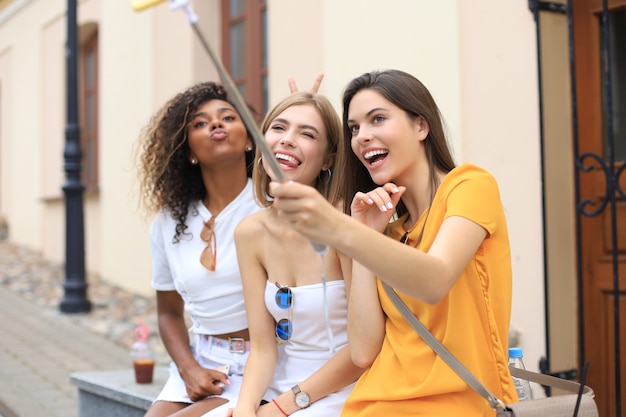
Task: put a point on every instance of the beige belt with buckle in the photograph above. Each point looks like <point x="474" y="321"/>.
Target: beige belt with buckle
<point x="233" y="344"/>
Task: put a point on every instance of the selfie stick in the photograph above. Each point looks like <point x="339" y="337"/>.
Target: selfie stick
<point x="233" y="92"/>
<point x="238" y="102"/>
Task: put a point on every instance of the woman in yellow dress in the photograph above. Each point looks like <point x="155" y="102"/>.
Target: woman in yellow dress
<point x="446" y="252"/>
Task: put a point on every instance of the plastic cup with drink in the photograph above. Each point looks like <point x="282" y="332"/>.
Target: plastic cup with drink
<point x="142" y="355"/>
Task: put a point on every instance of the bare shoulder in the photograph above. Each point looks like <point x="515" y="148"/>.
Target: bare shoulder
<point x="251" y="226"/>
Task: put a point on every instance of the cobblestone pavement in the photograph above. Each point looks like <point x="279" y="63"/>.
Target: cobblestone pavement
<point x="115" y="312"/>
<point x="40" y="347"/>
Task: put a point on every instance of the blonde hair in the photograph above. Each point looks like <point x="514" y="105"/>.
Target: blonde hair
<point x="328" y="185"/>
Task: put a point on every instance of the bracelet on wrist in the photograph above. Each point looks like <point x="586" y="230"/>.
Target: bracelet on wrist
<point x="278" y="406"/>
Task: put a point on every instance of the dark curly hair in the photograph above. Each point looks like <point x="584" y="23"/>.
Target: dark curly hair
<point x="166" y="178"/>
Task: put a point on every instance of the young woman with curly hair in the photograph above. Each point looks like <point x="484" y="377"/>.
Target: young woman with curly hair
<point x="195" y="165"/>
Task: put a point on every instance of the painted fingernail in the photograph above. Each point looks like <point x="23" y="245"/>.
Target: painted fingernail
<point x="383" y="208"/>
<point x="396" y="190"/>
<point x="389" y="205"/>
<point x="370" y="201"/>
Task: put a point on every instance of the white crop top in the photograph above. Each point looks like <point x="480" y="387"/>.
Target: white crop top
<point x="213" y="300"/>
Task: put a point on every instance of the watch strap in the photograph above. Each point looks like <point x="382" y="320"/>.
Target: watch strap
<point x="297" y="392"/>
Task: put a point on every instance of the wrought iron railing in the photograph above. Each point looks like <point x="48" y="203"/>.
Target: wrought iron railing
<point x="584" y="163"/>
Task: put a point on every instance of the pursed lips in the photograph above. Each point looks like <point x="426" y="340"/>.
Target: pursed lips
<point x="219" y="134"/>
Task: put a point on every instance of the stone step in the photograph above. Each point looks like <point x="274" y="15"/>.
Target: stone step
<point x="115" y="393"/>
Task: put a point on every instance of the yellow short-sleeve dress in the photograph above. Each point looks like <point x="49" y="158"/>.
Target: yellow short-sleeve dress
<point x="408" y="378"/>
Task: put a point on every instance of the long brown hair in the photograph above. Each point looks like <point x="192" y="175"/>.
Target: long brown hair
<point x="408" y="93"/>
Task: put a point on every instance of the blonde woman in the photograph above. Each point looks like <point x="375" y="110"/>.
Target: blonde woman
<point x="295" y="295"/>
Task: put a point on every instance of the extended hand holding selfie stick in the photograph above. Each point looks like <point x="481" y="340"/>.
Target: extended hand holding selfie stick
<point x="240" y="105"/>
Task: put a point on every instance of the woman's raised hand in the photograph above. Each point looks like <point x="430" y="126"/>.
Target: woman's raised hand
<point x="293" y="88"/>
<point x="305" y="209"/>
<point x="376" y="207"/>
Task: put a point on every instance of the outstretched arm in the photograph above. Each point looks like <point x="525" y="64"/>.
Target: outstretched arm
<point x="425" y="276"/>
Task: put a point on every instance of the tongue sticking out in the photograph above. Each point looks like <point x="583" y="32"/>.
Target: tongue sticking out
<point x="287" y="161"/>
<point x="288" y="164"/>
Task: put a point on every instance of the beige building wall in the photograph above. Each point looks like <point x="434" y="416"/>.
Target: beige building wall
<point x="25" y="113"/>
<point x="6" y="117"/>
<point x="501" y="133"/>
<point x="560" y="191"/>
<point x="52" y="139"/>
<point x="127" y="100"/>
<point x="479" y="62"/>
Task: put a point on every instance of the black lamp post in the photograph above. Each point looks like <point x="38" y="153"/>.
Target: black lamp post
<point x="75" y="298"/>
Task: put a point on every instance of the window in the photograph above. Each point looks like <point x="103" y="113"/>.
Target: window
<point x="88" y="112"/>
<point x="244" y="46"/>
<point x="617" y="51"/>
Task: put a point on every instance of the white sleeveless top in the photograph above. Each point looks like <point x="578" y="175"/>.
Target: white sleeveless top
<point x="309" y="336"/>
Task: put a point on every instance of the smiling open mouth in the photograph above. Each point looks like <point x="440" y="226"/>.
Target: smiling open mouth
<point x="375" y="157"/>
<point x="287" y="160"/>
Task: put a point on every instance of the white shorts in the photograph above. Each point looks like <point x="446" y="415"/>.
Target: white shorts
<point x="211" y="353"/>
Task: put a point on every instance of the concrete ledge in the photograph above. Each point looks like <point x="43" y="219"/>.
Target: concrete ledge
<point x="115" y="393"/>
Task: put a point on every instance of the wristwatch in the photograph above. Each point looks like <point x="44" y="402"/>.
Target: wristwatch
<point x="302" y="399"/>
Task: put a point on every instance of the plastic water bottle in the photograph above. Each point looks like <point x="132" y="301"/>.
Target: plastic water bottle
<point x="522" y="386"/>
